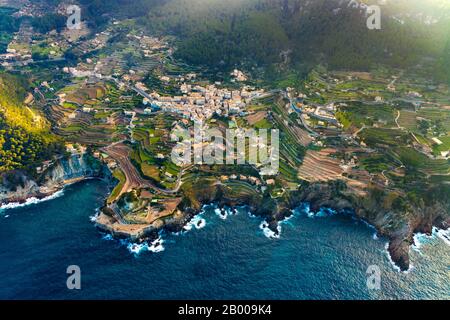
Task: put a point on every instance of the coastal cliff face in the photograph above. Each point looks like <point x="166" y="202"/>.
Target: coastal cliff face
<point x="396" y="221"/>
<point x="398" y="225"/>
<point x="18" y="187"/>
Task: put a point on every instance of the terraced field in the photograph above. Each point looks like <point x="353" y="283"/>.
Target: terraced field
<point x="408" y="120"/>
<point x="445" y="146"/>
<point x="386" y="137"/>
<point x="89" y="95"/>
<point x="418" y="161"/>
<point x="436" y="114"/>
<point x="320" y="166"/>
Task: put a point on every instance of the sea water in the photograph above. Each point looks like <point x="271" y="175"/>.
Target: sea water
<point x="220" y="255"/>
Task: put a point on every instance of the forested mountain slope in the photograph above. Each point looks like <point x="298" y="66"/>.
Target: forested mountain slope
<point x="24" y="133"/>
<point x="217" y="33"/>
<point x="213" y="32"/>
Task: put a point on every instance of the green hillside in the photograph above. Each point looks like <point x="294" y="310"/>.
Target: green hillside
<point x="224" y="34"/>
<point x="24" y="133"/>
<point x="13" y="92"/>
<point x="8" y="25"/>
<point x="216" y="33"/>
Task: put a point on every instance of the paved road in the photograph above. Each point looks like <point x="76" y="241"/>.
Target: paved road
<point x="300" y="115"/>
<point x="120" y="152"/>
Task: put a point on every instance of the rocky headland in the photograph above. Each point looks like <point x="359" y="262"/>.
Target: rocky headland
<point x="398" y="225"/>
<point x="18" y="186"/>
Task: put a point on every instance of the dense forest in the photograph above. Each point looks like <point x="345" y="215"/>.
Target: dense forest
<point x="97" y="12"/>
<point x="25" y="139"/>
<point x="8" y="25"/>
<point x="13" y="90"/>
<point x="217" y="33"/>
<point x="49" y="22"/>
<point x="21" y="149"/>
<point x="230" y="32"/>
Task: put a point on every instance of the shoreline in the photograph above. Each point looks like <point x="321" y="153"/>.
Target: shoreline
<point x="270" y="234"/>
<point x="43" y="197"/>
<point x="270" y="224"/>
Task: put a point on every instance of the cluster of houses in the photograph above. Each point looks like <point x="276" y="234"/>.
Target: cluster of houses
<point x="200" y="103"/>
<point x="252" y="180"/>
<point x="238" y="75"/>
<point x="18" y="50"/>
<point x="324" y="115"/>
<point x="149" y="45"/>
<point x="12" y="55"/>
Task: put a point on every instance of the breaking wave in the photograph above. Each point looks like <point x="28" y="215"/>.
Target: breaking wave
<point x="396" y="267"/>
<point x="269" y="233"/>
<point x="322" y="213"/>
<point x="421" y="239"/>
<point x="138" y="248"/>
<point x="31" y="201"/>
<point x="198" y="222"/>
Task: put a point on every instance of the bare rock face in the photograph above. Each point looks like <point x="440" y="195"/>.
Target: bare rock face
<point x="18" y="187"/>
<point x="399" y="252"/>
<point x="397" y="225"/>
<point x="17" y="190"/>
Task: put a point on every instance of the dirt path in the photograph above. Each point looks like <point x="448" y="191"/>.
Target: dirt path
<point x="396" y="120"/>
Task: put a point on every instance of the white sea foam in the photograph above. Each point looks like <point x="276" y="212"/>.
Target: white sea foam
<point x="251" y="215"/>
<point x="286" y="219"/>
<point x="306" y="208"/>
<point x="137" y="248"/>
<point x="221" y="213"/>
<point x="322" y="213"/>
<point x="31" y="201"/>
<point x="108" y="237"/>
<point x="157" y="245"/>
<point x="421" y="239"/>
<point x="375" y="234"/>
<point x="396" y="267"/>
<point x="94" y="217"/>
<point x="198" y="222"/>
<point x="264" y="226"/>
<point x="231" y="211"/>
<point x="188" y="227"/>
<point x="326" y="212"/>
<point x="444" y="235"/>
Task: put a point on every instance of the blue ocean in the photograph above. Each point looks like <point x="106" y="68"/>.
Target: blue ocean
<point x="220" y="257"/>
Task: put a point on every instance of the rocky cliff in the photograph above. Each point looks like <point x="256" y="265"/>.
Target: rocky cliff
<point x="17" y="186"/>
<point x="398" y="225"/>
